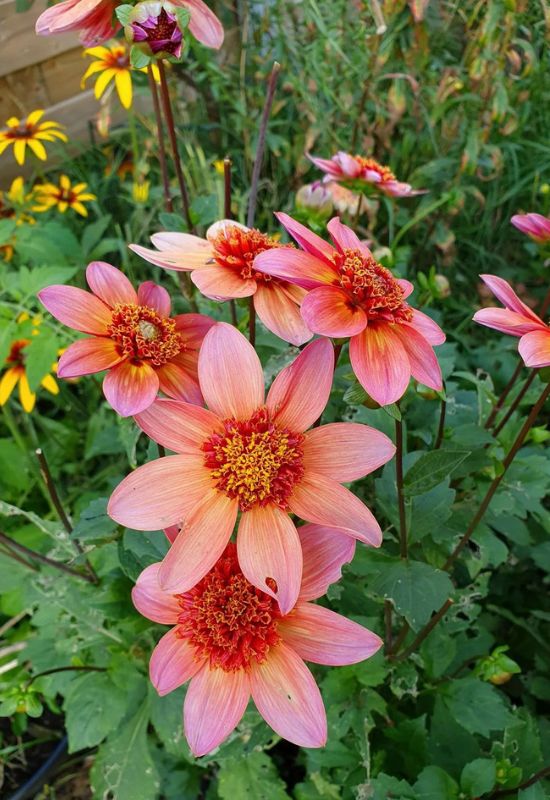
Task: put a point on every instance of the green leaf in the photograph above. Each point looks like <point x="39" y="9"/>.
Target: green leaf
<point x="123" y="768"/>
<point x="392" y="410"/>
<point x="94" y="707"/>
<point x="355" y="395"/>
<point x="254" y="776"/>
<point x="477" y="706"/>
<point x="138" y="549"/>
<point x="94" y="523"/>
<point x="167" y="720"/>
<point x="416" y="589"/>
<point x="93" y="233"/>
<point x="434" y="783"/>
<point x="123" y="13"/>
<point x="432" y="468"/>
<point x="32" y="280"/>
<point x="40" y="355"/>
<point x="139" y="59"/>
<point x="478" y="777"/>
<point x="171" y="222"/>
<point x="7" y="229"/>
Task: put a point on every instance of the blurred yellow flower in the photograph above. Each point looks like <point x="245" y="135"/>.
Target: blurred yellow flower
<point x="13" y="205"/>
<point x="63" y="195"/>
<point x="15" y="372"/>
<point x="114" y="64"/>
<point x="140" y="191"/>
<point x="31" y="132"/>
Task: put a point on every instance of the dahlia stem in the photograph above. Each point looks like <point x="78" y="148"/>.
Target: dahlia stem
<point x="520" y="438"/>
<point x="387" y="627"/>
<point x="50" y="562"/>
<point x="71" y="668"/>
<point x="517" y="400"/>
<point x="7" y="551"/>
<point x="403" y="545"/>
<point x="401" y="636"/>
<point x="426" y="630"/>
<point x="272" y="83"/>
<point x="545" y="305"/>
<point x="227" y="214"/>
<point x="58" y="505"/>
<point x="160" y="136"/>
<point x="538" y="776"/>
<point x="441" y="426"/>
<point x="169" y="117"/>
<point x="251" y="321"/>
<point x="505" y="392"/>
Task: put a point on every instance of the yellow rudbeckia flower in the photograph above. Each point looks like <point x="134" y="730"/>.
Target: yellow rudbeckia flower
<point x="31" y="132"/>
<point x="15" y="373"/>
<point x="63" y="195"/>
<point x="114" y="64"/>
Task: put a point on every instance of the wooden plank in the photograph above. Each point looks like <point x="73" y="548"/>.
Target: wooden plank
<point x="19" y="44"/>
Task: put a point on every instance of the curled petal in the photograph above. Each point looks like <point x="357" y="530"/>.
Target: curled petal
<point x="179" y="261"/>
<point x="505" y="321"/>
<point x="345" y="238"/>
<point x="181" y="427"/>
<point x="319" y="635"/>
<point x="300" y="392"/>
<point x="287" y="697"/>
<point x="346" y="451"/>
<point x="268" y="546"/>
<point x="172" y="663"/>
<point x="328" y="311"/>
<point x="307" y="240"/>
<point x="109" y="284"/>
<point x="380" y="363"/>
<point x="295" y="266"/>
<point x="280" y="314"/>
<point x="154" y="296"/>
<point x="534" y="348"/>
<point x="425" y="325"/>
<point x="408" y="288"/>
<point x="504" y="292"/>
<point x="214" y="705"/>
<point x="131" y="388"/>
<point x="87" y="356"/>
<point x="325" y="551"/>
<point x="204" y="24"/>
<point x="424" y="364"/>
<point x="230" y="373"/>
<point x="76" y="308"/>
<point x="151" y="601"/>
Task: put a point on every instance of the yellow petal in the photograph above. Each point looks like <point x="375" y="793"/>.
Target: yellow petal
<point x="64" y="182"/>
<point x="19" y="151"/>
<point x="96" y="66"/>
<point x="13" y="122"/>
<point x="28" y="398"/>
<point x="62" y="206"/>
<point x="8" y="383"/>
<point x="4" y="143"/>
<point x="50" y="384"/>
<point x="16" y="193"/>
<point x="79" y="187"/>
<point x="124" y="87"/>
<point x="34" y="117"/>
<point x="86" y="197"/>
<point x="102" y="82"/>
<point x="97" y="52"/>
<point x="156" y="73"/>
<point x="38" y="149"/>
<point x="80" y="209"/>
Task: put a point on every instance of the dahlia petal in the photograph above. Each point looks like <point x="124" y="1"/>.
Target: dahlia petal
<point x="295" y="266"/>
<point x="505" y="321"/>
<point x="203" y="537"/>
<point x="230" y="373"/>
<point x="344" y="238"/>
<point x="534" y="225"/>
<point x="220" y="283"/>
<point x="321" y="500"/>
<point x="154" y="296"/>
<point x="204" y="24"/>
<point x="175" y="381"/>
<point x="130" y="388"/>
<point x="109" y="284"/>
<point x="159" y="493"/>
<point x="534" y="348"/>
<point x="408" y="288"/>
<point x="181" y="427"/>
<point x="346" y="451"/>
<point x="307" y="240"/>
<point x="87" y="356"/>
<point x="214" y="705"/>
<point x="400" y="189"/>
<point x="173" y="662"/>
<point x="504" y="292"/>
<point x="193" y="328"/>
<point x="171" y="532"/>
<point x="424" y="364"/>
<point x="350" y="166"/>
<point x="151" y="601"/>
<point x="268" y="546"/>
<point x="222" y="226"/>
<point x="280" y="314"/>
<point x="300" y="392"/>
<point x="425" y="325"/>
<point x="287" y="697"/>
<point x="380" y="363"/>
<point x="328" y="311"/>
<point x="182" y="242"/>
<point x="324" y="637"/>
<point x="76" y="308"/>
<point x="325" y="551"/>
<point x="327" y="165"/>
<point x="173" y="259"/>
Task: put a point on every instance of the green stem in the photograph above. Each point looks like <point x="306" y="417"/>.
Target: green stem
<point x="419" y="217"/>
<point x="403" y="544"/>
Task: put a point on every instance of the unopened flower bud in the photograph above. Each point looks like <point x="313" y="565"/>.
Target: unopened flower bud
<point x="315" y="197"/>
<point x="442" y="286"/>
<point x="156" y="28"/>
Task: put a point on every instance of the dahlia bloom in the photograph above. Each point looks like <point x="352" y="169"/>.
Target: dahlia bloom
<point x="133" y="337"/>
<point x="353" y="295"/>
<point x="156" y="29"/>
<point x="534" y="225"/>
<point x="231" y="641"/>
<point x="222" y="268"/>
<point x="345" y="167"/>
<point x="516" y="319"/>
<point x="252" y="455"/>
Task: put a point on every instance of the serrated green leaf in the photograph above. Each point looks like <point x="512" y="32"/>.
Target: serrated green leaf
<point x="40" y="355"/>
<point x="478" y="777"/>
<point x="431" y="469"/>
<point x="94" y="523"/>
<point x="434" y="783"/>
<point x="254" y="776"/>
<point x="416" y="589"/>
<point x="171" y="222"/>
<point x="477" y="706"/>
<point x="94" y="707"/>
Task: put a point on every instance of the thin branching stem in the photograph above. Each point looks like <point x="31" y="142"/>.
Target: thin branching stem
<point x="505" y="392"/>
<point x="50" y="562"/>
<point x="517" y="400"/>
<point x="227" y="165"/>
<point x="253" y="198"/>
<point x="160" y="137"/>
<point x="54" y="670"/>
<point x="426" y="630"/>
<point x="403" y="543"/>
<point x="441" y="427"/>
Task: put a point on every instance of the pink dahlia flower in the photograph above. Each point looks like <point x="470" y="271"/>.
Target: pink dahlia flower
<point x="345" y="167"/>
<point x="516" y="319"/>
<point x="534" y="225"/>
<point x="255" y="456"/>
<point x="232" y="642"/>
<point x="222" y="267"/>
<point x="133" y="337"/>
<point x="351" y="294"/>
<point x="95" y="19"/>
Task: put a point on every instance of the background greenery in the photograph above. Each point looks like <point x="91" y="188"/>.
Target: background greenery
<point x="457" y="104"/>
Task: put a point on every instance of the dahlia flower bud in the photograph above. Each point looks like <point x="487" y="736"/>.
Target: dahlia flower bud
<point x="155" y="28"/>
<point x="442" y="286"/>
<point x="315" y="197"/>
